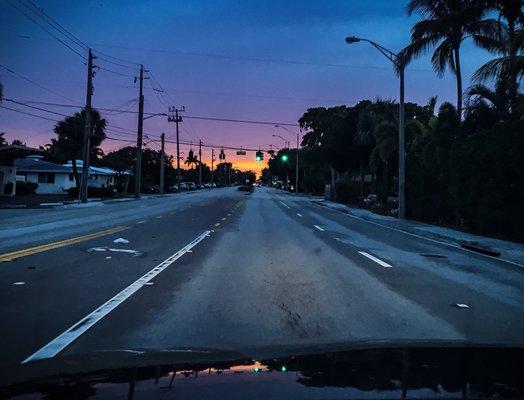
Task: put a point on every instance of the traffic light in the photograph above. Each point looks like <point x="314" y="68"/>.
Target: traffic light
<point x="259" y="156"/>
<point x="284" y="157"/>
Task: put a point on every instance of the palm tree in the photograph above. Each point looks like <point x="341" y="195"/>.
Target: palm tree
<point x="508" y="43"/>
<point x="70" y="138"/>
<point x="445" y="25"/>
<point x="3" y="141"/>
<point x="482" y="96"/>
<point x="191" y="159"/>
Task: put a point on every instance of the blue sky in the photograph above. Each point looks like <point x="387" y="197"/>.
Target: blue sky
<point x="261" y="60"/>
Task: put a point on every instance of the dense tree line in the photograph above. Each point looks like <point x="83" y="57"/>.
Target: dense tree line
<point x="464" y="162"/>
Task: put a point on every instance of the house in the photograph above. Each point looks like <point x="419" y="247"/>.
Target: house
<point x="57" y="178"/>
<point x="98" y="176"/>
<point x="8" y="171"/>
<point x="51" y="178"/>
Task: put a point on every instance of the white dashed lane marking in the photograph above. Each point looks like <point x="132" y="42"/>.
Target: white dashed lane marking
<point x="59" y="343"/>
<point x="319" y="228"/>
<point x="284" y="204"/>
<point x="377" y="260"/>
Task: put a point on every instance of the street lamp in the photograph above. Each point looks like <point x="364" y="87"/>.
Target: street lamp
<point x="296" y="165"/>
<point x="399" y="64"/>
<point x="286" y="146"/>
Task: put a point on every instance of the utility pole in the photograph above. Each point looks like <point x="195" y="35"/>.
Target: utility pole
<point x="138" y="165"/>
<point x="87" y="130"/>
<point x="401" y="147"/>
<point x="200" y="162"/>
<point x="177" y="119"/>
<point x="162" y="160"/>
<point x="212" y="164"/>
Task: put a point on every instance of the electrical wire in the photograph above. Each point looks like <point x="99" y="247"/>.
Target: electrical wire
<point x="35" y="83"/>
<point x="50" y="33"/>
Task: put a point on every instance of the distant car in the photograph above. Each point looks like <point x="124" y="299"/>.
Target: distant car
<point x="172" y="189"/>
<point x="182" y="186"/>
<point x="200" y="186"/>
<point x="392" y="199"/>
<point x="370" y="199"/>
<point x="189" y="185"/>
<point x="245" y="188"/>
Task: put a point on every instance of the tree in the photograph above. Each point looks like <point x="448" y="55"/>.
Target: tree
<point x="191" y="159"/>
<point x="445" y="25"/>
<point x="508" y="43"/>
<point x="70" y="138"/>
<point x="3" y="141"/>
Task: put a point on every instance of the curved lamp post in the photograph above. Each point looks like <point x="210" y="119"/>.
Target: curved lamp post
<point x="396" y="60"/>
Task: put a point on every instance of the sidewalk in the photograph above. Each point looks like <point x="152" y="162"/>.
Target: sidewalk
<point x="509" y="251"/>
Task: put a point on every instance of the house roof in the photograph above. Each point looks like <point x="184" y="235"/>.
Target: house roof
<point x="39" y="165"/>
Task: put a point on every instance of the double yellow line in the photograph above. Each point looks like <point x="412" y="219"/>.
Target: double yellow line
<point x="50" y="246"/>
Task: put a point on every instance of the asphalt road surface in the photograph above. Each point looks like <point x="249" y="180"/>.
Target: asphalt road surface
<point x="229" y="270"/>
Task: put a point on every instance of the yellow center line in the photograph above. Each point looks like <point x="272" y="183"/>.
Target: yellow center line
<point x="54" y="245"/>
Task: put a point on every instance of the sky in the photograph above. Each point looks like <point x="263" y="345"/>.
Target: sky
<point x="249" y="60"/>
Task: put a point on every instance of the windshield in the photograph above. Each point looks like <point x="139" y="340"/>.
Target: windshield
<point x="259" y="177"/>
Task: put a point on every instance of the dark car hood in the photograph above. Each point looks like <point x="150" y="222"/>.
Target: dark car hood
<point x="362" y="370"/>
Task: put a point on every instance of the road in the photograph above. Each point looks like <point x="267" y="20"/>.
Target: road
<point x="230" y="270"/>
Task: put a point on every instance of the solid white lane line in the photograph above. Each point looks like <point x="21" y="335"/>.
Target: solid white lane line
<point x="284" y="204"/>
<point x="59" y="343"/>
<point x="377" y="260"/>
<point x="319" y="228"/>
<point x="424" y="237"/>
<point x="299" y="214"/>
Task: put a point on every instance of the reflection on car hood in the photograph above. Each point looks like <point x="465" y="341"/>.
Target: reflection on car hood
<point x="366" y="370"/>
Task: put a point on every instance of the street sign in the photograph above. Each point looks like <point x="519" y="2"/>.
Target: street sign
<point x="241" y="153"/>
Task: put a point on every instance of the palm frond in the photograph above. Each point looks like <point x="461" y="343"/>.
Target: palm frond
<point x="443" y="57"/>
<point x="491" y="69"/>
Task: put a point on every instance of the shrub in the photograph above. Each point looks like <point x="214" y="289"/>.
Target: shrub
<point x="26" y="188"/>
<point x="8" y="187"/>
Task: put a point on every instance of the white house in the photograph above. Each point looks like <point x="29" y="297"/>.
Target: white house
<point x="55" y="178"/>
<point x="51" y="178"/>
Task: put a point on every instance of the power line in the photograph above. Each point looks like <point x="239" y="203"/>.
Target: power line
<point x="115" y="72"/>
<point x="34" y="83"/>
<point x="52" y="34"/>
<point x="242" y="121"/>
<point x="57" y="26"/>
<point x="26" y="113"/>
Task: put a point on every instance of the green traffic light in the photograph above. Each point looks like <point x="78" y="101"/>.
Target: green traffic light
<point x="284" y="157"/>
<point x="256" y="369"/>
<point x="283" y="368"/>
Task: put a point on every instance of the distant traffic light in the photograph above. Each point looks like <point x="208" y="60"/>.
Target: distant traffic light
<point x="259" y="156"/>
<point x="284" y="157"/>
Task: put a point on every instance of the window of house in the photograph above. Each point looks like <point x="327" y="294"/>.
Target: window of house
<point x="46" y="177"/>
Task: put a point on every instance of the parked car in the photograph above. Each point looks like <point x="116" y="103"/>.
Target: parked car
<point x="172" y="189"/>
<point x="370" y="199"/>
<point x="200" y="186"/>
<point x="189" y="185"/>
<point x="392" y="199"/>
